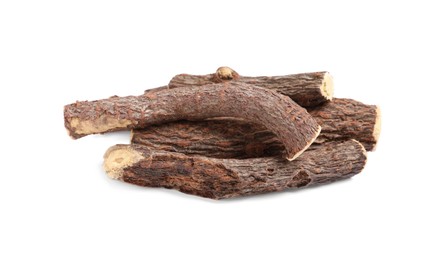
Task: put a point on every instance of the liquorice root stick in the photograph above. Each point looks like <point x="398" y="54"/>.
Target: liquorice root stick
<point x="292" y="124"/>
<point x="306" y="89"/>
<point x="226" y="178"/>
<point x="344" y="118"/>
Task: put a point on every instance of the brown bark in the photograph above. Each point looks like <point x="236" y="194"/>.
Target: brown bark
<point x="226" y="138"/>
<point x="344" y="118"/>
<point x="341" y="119"/>
<point x="293" y="126"/>
<point x="227" y="178"/>
<point x="155" y="90"/>
<point x="307" y="89"/>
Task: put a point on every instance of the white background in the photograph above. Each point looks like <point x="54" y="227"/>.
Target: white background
<point x="57" y="203"/>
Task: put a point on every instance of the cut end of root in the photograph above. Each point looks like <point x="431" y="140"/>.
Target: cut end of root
<point x="291" y="158"/>
<point x="327" y="86"/>
<point x="377" y="126"/>
<point x="363" y="151"/>
<point x="362" y="147"/>
<point x="226" y="73"/>
<point x="99" y="125"/>
<point x="117" y="158"/>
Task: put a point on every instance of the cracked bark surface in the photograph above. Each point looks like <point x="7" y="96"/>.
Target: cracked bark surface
<point x="344" y="118"/>
<point x="227" y="178"/>
<point x="293" y="126"/>
<point x="306" y="89"/>
<point x="217" y="138"/>
<point x="341" y="119"/>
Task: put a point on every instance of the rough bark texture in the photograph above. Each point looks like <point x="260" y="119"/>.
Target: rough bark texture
<point x="155" y="90"/>
<point x="307" y="89"/>
<point x="224" y="138"/>
<point x="344" y="118"/>
<point x="293" y="126"/>
<point x="227" y="178"/>
<point x="341" y="119"/>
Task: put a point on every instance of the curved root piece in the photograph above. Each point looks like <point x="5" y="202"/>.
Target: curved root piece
<point x="292" y="124"/>
<point x="307" y="89"/>
<point x="227" y="178"/>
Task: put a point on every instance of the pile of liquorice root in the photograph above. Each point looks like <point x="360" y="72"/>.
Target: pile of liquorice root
<point x="224" y="135"/>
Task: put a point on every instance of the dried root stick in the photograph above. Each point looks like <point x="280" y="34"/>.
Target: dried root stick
<point x="292" y="124"/>
<point x="306" y="89"/>
<point x="227" y="178"/>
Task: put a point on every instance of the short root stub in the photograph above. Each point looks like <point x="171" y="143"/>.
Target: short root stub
<point x="226" y="73"/>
